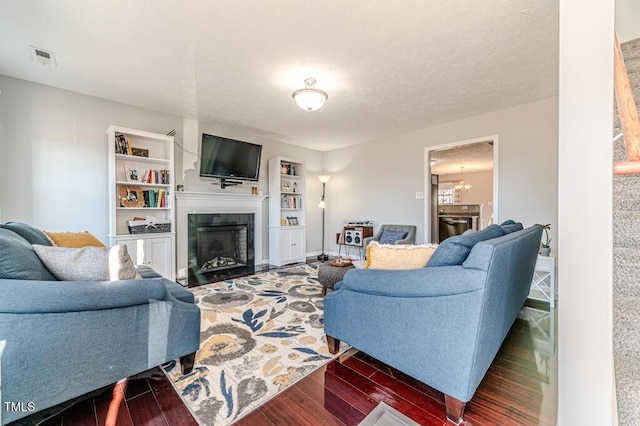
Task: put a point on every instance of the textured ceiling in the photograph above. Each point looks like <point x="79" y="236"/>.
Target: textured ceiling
<point x="388" y="67"/>
<point x="477" y="157"/>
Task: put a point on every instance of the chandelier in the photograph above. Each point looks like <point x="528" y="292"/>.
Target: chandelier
<point x="310" y="98"/>
<point x="461" y="185"/>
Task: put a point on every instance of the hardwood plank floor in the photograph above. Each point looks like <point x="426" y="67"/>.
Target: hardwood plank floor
<point x="520" y="388"/>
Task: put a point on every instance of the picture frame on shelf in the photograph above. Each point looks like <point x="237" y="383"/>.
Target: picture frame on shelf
<point x="286" y="202"/>
<point x="132" y="174"/>
<point x="139" y="152"/>
<point x="130" y="196"/>
<point x="292" y="220"/>
<point x="285" y="186"/>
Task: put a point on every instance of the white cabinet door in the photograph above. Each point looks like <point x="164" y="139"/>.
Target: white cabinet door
<point x="297" y="245"/>
<point x="157" y="253"/>
<point x="292" y="247"/>
<point x="285" y="246"/>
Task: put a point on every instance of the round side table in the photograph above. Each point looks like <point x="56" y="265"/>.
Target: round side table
<point x="329" y="275"/>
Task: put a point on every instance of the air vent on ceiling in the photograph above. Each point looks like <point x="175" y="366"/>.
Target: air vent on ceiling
<point x="44" y="57"/>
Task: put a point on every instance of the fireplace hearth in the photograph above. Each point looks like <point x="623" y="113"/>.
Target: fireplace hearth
<point x="220" y="246"/>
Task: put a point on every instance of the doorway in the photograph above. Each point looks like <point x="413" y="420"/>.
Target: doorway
<point x="460" y="184"/>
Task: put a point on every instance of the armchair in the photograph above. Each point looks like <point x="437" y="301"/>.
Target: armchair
<point x="409" y="238"/>
<point x="442" y="325"/>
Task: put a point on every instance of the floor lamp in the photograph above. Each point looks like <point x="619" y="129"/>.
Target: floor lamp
<point x="324" y="179"/>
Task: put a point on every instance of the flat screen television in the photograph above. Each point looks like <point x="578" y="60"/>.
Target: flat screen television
<point x="225" y="158"/>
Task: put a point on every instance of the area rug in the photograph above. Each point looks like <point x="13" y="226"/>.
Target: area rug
<point x="259" y="335"/>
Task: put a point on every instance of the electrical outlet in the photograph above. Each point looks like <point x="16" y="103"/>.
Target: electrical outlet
<point x="419" y="195"/>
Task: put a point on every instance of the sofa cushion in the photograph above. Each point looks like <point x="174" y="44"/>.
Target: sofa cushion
<point x="397" y="256"/>
<point x="18" y="261"/>
<point x="454" y="250"/>
<point x="28" y="232"/>
<point x="74" y="239"/>
<point x="390" y="237"/>
<point x="87" y="263"/>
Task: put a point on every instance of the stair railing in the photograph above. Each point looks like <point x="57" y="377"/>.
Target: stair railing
<point x="628" y="115"/>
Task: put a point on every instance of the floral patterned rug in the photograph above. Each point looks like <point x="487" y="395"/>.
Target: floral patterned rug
<point x="259" y="335"/>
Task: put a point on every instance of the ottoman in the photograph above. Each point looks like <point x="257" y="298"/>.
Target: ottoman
<point x="329" y="275"/>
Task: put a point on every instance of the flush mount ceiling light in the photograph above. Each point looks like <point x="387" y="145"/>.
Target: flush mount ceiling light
<point x="310" y="98"/>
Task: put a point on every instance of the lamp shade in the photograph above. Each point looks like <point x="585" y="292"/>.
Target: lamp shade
<point x="310" y="98"/>
<point x="324" y="178"/>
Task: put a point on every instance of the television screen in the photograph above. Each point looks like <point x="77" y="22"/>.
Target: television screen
<point x="229" y="158"/>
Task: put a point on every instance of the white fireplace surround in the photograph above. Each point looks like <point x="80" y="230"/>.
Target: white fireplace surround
<point x="215" y="203"/>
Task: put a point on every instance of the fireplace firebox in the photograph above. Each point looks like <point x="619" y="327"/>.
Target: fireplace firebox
<point x="220" y="246"/>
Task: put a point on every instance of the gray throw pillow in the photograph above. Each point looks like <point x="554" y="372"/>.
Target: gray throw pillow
<point x="87" y="263"/>
<point x="454" y="250"/>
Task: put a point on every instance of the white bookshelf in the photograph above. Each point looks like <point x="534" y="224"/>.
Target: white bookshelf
<point x="156" y="250"/>
<point x="287" y="205"/>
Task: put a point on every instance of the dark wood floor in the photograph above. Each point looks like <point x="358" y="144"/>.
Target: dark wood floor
<point x="520" y="388"/>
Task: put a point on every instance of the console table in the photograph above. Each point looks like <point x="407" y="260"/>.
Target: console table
<point x="543" y="284"/>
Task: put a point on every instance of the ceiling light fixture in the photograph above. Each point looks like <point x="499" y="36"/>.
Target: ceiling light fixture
<point x="310" y="98"/>
<point x="460" y="185"/>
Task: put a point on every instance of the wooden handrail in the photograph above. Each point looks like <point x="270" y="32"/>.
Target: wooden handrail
<point x="628" y="114"/>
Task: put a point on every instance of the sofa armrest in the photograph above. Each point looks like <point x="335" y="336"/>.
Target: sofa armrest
<point x="423" y="282"/>
<point x="25" y="296"/>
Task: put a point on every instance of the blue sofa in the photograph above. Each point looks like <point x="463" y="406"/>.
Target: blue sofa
<point x="442" y="324"/>
<point x="67" y="338"/>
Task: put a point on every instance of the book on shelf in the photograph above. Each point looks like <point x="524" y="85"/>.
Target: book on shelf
<point x="121" y="145"/>
<point x="156" y="176"/>
<point x="156" y="198"/>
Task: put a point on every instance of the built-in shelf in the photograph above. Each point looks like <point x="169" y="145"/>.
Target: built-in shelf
<point x="287" y="204"/>
<point x="142" y="185"/>
<point x="143" y="208"/>
<point x="135" y="158"/>
<point x="154" y="249"/>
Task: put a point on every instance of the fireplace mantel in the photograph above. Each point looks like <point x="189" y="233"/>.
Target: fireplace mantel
<point x="210" y="202"/>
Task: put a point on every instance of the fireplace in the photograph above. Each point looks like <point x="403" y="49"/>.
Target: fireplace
<point x="219" y="246"/>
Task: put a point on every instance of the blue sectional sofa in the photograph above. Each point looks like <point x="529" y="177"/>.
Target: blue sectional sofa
<point x="67" y="338"/>
<point x="442" y="324"/>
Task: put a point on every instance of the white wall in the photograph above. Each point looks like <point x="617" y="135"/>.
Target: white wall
<point x="378" y="181"/>
<point x="54" y="154"/>
<point x="626" y="19"/>
<point x="585" y="352"/>
<point x="53" y="158"/>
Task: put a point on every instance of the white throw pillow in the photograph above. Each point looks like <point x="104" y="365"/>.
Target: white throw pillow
<point x="87" y="263"/>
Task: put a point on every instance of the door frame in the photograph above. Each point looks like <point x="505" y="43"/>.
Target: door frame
<point x="427" y="177"/>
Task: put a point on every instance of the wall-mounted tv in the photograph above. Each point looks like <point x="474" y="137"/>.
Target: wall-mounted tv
<point x="225" y="158"/>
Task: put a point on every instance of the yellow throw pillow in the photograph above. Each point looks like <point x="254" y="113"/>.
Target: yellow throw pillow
<point x="398" y="256"/>
<point x="73" y="239"/>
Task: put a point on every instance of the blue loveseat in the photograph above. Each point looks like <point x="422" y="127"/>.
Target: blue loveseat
<point x="68" y="338"/>
<point x="442" y="324"/>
